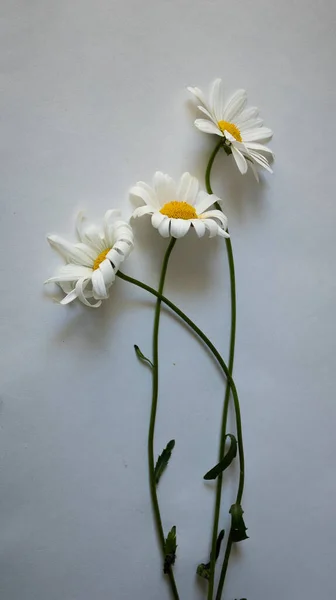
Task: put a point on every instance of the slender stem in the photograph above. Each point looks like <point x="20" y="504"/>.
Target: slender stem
<point x="188" y="321"/>
<point x="227" y="390"/>
<point x="225" y="411"/>
<point x="155" y="391"/>
<point x="219" y="482"/>
<point x="192" y="326"/>
<point x="233" y="388"/>
<point x="224" y="567"/>
<point x="209" y="166"/>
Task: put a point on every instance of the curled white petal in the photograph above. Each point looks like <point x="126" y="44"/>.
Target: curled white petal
<point x="92" y="263"/>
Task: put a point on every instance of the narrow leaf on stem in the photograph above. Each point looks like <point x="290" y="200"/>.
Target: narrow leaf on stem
<point x="163" y="460"/>
<point x="238" y="527"/>
<point x="226" y="460"/>
<point x="142" y="356"/>
<point x="203" y="570"/>
<point x="170" y="550"/>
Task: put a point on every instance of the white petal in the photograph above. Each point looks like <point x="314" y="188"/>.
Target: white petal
<point x="187" y="188"/>
<point x="94" y="237"/>
<point x="165" y="188"/>
<point x="164" y="228"/>
<point x="123" y="231"/>
<point x="235" y="105"/>
<point x="199" y="227"/>
<point x="143" y="210"/>
<point x="179" y="227"/>
<point x="204" y="200"/>
<point x="107" y="272"/>
<point x="76" y="253"/>
<point x="246" y="115"/>
<point x="98" y="285"/>
<point x="230" y="137"/>
<point x="259" y="147"/>
<point x="214" y="228"/>
<point x="70" y="297"/>
<point x="82" y="295"/>
<point x="157" y="219"/>
<point x="110" y="223"/>
<point x="260" y="133"/>
<point x="217" y="99"/>
<point x="250" y="124"/>
<point x="254" y="170"/>
<point x="240" y="159"/>
<point x="261" y="160"/>
<point x="123" y="247"/>
<point x="116" y="258"/>
<point x="146" y="193"/>
<point x="66" y="286"/>
<point x="70" y="272"/>
<point x="216" y="214"/>
<point x="208" y="114"/>
<point x="198" y="93"/>
<point x="208" y="127"/>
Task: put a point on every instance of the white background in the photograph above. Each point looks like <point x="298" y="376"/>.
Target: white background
<point x="94" y="98"/>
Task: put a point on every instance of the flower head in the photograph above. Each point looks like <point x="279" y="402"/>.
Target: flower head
<point x="93" y="262"/>
<point x="175" y="207"/>
<point x="241" y="128"/>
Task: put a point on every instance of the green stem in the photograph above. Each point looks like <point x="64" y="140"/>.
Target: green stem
<point x="224" y="567"/>
<point x="231" y="383"/>
<point x="225" y="410"/>
<point x="192" y="326"/>
<point x="209" y="167"/>
<point x="151" y="431"/>
<point x="188" y="321"/>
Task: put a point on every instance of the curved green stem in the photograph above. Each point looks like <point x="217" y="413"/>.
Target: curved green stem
<point x="213" y="155"/>
<point x="224" y="567"/>
<point x="225" y="410"/>
<point x="192" y="326"/>
<point x="231" y="386"/>
<point x="155" y="391"/>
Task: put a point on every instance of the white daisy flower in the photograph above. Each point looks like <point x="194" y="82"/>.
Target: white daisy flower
<point x="93" y="262"/>
<point x="175" y="207"/>
<point x="241" y="127"/>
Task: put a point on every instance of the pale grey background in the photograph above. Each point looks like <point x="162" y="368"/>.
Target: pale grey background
<point x="93" y="98"/>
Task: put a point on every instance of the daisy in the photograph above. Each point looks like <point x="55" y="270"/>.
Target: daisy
<point x="93" y="262"/>
<point x="175" y="207"/>
<point x="241" y="127"/>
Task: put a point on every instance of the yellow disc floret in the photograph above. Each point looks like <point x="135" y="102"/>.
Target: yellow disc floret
<point x="179" y="210"/>
<point x="231" y="128"/>
<point x="100" y="258"/>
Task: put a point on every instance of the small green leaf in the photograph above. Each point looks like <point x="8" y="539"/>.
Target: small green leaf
<point x="170" y="550"/>
<point x="226" y="460"/>
<point x="142" y="356"/>
<point x="203" y="570"/>
<point x="163" y="460"/>
<point x="238" y="527"/>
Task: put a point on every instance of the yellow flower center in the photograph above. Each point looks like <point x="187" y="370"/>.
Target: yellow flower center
<point x="179" y="210"/>
<point x="100" y="258"/>
<point x="231" y="128"/>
